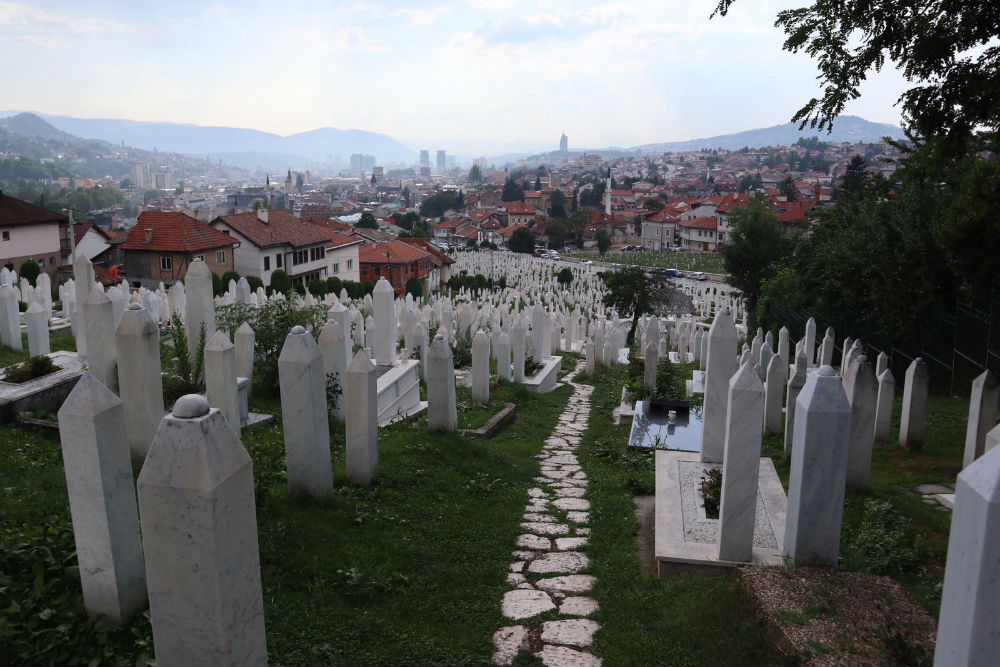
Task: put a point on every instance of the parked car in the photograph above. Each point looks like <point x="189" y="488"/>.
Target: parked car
<point x="676" y="273"/>
<point x="586" y="262"/>
<point x="698" y="276"/>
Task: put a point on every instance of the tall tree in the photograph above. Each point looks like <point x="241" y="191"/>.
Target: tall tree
<point x="557" y="204"/>
<point x="788" y="188"/>
<point x="603" y="241"/>
<point x="629" y="292"/>
<point x="522" y="240"/>
<point x="367" y="221"/>
<point x="855" y="176"/>
<point x="475" y="174"/>
<point x="754" y="250"/>
<point x="512" y="191"/>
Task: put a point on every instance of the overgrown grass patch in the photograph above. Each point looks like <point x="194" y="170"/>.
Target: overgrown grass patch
<point x="678" y="620"/>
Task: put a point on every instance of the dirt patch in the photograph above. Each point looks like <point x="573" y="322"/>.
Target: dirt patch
<point x="825" y="617"/>
<point x="645" y="513"/>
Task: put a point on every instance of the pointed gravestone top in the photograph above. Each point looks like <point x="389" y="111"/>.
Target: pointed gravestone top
<point x="89" y="397"/>
<point x="219" y="342"/>
<point x="361" y="363"/>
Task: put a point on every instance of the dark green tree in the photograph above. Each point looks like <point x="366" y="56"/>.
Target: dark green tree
<point x="512" y="191"/>
<point x="557" y="231"/>
<point x="373" y="178"/>
<point x="538" y="183"/>
<point x="653" y="204"/>
<point x="30" y="271"/>
<point x="755" y="248"/>
<point x="557" y="204"/>
<point x="230" y="275"/>
<point x="522" y="240"/>
<point x="367" y="221"/>
<point x="565" y="276"/>
<point x="475" y="174"/>
<point x="603" y="241"/>
<point x="856" y="176"/>
<point x="415" y="287"/>
<point x="630" y="293"/>
<point x="405" y="196"/>
<point x="280" y="282"/>
<point x="788" y="188"/>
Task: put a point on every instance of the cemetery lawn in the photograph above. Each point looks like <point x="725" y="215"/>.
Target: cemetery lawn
<point x="409" y="572"/>
<point x="677" y="620"/>
<point x="57" y="341"/>
<point x="709" y="262"/>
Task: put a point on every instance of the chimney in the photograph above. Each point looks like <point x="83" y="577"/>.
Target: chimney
<point x="262" y="215"/>
<point x="149" y="235"/>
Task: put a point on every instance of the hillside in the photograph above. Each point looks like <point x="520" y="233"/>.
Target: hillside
<point x="315" y="145"/>
<point x="846" y="128"/>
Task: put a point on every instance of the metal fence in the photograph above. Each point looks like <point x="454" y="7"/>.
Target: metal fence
<point x="960" y="345"/>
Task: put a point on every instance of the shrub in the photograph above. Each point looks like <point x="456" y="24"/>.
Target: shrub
<point x="35" y="367"/>
<point x="711" y="491"/>
<point x="318" y="288"/>
<point x="218" y="287"/>
<point x="227" y="276"/>
<point x="29" y="270"/>
<point x="883" y="542"/>
<point x="280" y="282"/>
<point x="461" y="349"/>
<point x="531" y="366"/>
<point x="188" y="376"/>
<point x="271" y="322"/>
<point x="254" y="282"/>
<point x="300" y="289"/>
<point x="334" y="284"/>
<point x="415" y="287"/>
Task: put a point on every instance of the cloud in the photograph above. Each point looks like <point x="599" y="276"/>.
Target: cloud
<point x="521" y="29"/>
<point x="31" y="20"/>
<point x="420" y="17"/>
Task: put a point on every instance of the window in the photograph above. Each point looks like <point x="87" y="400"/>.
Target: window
<point x="317" y="253"/>
<point x="220" y="257"/>
<point x="277" y="260"/>
<point x="336" y="267"/>
<point x="350" y="264"/>
<point x="267" y="263"/>
<point x="6" y="235"/>
<point x="300" y="257"/>
<point x="41" y="262"/>
<point x="199" y="258"/>
<point x="166" y="263"/>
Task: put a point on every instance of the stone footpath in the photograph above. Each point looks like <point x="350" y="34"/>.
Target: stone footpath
<point x="545" y="577"/>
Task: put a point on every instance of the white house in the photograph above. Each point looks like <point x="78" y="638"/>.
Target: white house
<point x="272" y="240"/>
<point x="91" y="240"/>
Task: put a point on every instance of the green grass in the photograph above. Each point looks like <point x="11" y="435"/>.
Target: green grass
<point x="411" y="571"/>
<point x="60" y="341"/>
<point x="709" y="262"/>
<point x="678" y="620"/>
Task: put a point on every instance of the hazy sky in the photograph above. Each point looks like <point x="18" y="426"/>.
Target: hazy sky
<point x="429" y="74"/>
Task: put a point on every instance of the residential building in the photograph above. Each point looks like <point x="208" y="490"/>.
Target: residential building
<point x="658" y="230"/>
<point x="32" y="232"/>
<point x="276" y="239"/>
<point x="519" y="213"/>
<point x="396" y="261"/>
<point x="442" y="162"/>
<point x="342" y="255"/>
<point x="440" y="263"/>
<point x="91" y="240"/>
<point x="699" y="233"/>
<point x="140" y="176"/>
<point x="425" y="159"/>
<point x="163" y="244"/>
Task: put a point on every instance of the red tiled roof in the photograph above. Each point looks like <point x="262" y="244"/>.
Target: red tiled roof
<point x="80" y="230"/>
<point x="393" y="252"/>
<point x="509" y="230"/>
<point x="15" y="211"/>
<point x="707" y="222"/>
<point x="174" y="232"/>
<point x="437" y="257"/>
<point x="519" y="208"/>
<point x="281" y="228"/>
<point x="328" y="223"/>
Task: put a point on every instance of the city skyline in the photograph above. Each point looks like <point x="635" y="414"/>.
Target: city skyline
<point x="479" y="76"/>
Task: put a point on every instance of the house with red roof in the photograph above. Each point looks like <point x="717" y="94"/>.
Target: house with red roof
<point x="441" y="263"/>
<point x="276" y="239"/>
<point x="396" y="261"/>
<point x="163" y="244"/>
<point x="658" y="229"/>
<point x="519" y="213"/>
<point x="29" y="232"/>
<point x="699" y="233"/>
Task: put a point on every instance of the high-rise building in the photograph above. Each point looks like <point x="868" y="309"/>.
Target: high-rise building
<point x="425" y="158"/>
<point x="563" y="143"/>
<point x="442" y="162"/>
<point x="140" y="176"/>
<point x="362" y="162"/>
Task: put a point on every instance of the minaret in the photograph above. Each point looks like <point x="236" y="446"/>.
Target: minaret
<point x="607" y="195"/>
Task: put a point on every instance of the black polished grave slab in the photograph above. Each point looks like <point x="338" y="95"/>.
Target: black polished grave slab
<point x="673" y="429"/>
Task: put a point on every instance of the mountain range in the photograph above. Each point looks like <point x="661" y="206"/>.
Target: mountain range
<point x="248" y="147"/>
